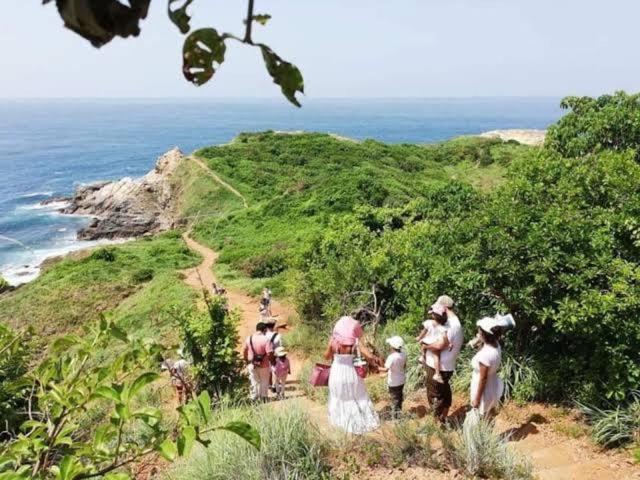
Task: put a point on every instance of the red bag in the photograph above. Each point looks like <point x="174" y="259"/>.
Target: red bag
<point x="361" y="370"/>
<point x="320" y="375"/>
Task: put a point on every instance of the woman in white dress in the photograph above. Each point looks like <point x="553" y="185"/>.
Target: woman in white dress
<point x="486" y="386"/>
<point x="350" y="407"/>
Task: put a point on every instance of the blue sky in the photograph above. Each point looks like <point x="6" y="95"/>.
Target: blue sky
<point x="345" y="48"/>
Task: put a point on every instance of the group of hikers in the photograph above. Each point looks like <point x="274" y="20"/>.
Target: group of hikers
<point x="441" y="339"/>
<point x="350" y="407"/>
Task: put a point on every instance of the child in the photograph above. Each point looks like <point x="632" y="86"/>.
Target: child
<point x="395" y="367"/>
<point x="434" y="331"/>
<point x="281" y="368"/>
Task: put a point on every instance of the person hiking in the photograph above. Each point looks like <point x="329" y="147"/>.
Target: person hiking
<point x="439" y="394"/>
<point x="179" y="374"/>
<point x="275" y="339"/>
<point x="395" y="368"/>
<point x="350" y="407"/>
<point x="258" y="355"/>
<point x="281" y="369"/>
<point x="265" y="301"/>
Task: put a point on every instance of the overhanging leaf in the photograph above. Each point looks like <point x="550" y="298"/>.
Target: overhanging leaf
<point x="185" y="441"/>
<point x="261" y="18"/>
<point x="202" y="53"/>
<point x="142" y="381"/>
<point x="284" y="74"/>
<point x="245" y="431"/>
<point x="179" y="16"/>
<point x="168" y="450"/>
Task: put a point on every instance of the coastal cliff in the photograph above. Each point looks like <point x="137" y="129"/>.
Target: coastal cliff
<point x="128" y="207"/>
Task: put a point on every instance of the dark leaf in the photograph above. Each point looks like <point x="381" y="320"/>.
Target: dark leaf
<point x="202" y="52"/>
<point x="261" y="18"/>
<point x="179" y="16"/>
<point x="284" y="74"/>
<point x="100" y="21"/>
<point x="244" y="430"/>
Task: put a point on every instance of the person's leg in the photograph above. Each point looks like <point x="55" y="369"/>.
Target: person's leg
<point x="437" y="376"/>
<point x="263" y="379"/>
<point x="447" y="396"/>
<point x="432" y="394"/>
<point x="254" y="382"/>
<point x="396" y="400"/>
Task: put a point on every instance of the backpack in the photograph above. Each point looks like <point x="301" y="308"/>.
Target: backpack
<point x="256" y="359"/>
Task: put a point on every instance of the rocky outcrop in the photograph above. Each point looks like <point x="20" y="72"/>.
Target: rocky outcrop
<point x="526" y="137"/>
<point x="128" y="207"/>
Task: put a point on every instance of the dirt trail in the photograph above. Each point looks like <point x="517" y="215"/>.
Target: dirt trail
<point x="213" y="175"/>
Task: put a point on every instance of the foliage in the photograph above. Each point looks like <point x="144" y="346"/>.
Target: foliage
<point x="210" y="339"/>
<point x="14" y="357"/>
<point x="73" y="291"/>
<point x="73" y="378"/>
<point x="4" y="285"/>
<point x="203" y="50"/>
<point x="609" y="122"/>
<point x="615" y="426"/>
<point x="520" y="377"/>
<point x="479" y="452"/>
<point x="292" y="448"/>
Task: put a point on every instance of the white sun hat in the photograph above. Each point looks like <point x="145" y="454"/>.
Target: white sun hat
<point x="445" y="300"/>
<point x="280" y="352"/>
<point x="505" y="321"/>
<point x="395" y="342"/>
<point x="438" y="308"/>
<point x="486" y="324"/>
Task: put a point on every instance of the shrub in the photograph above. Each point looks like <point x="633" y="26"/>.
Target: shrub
<point x="143" y="275"/>
<point x="520" y="377"/>
<point x="616" y="426"/>
<point x="4" y="285"/>
<point x="107" y="254"/>
<point x="210" y="338"/>
<point x="479" y="452"/>
<point x="14" y="358"/>
<point x="609" y="122"/>
<point x="267" y="265"/>
<point x="292" y="448"/>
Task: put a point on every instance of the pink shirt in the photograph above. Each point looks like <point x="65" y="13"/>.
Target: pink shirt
<point x="282" y="367"/>
<point x="261" y="346"/>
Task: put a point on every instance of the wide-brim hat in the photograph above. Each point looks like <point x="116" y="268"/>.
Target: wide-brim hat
<point x="280" y="352"/>
<point x="395" y="342"/>
<point x="486" y="324"/>
<point x="438" y="309"/>
<point x="445" y="300"/>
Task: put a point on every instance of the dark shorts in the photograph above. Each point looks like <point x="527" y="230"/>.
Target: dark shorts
<point x="397" y="397"/>
<point x="439" y="394"/>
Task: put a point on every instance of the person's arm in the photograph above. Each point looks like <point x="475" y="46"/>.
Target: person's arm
<point x="422" y="334"/>
<point x="328" y="353"/>
<point x="441" y="344"/>
<point x="368" y="356"/>
<point x="482" y="384"/>
<point x="245" y="353"/>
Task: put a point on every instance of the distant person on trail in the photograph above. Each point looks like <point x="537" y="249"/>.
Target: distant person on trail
<point x="486" y="386"/>
<point x="266" y="300"/>
<point x="395" y="366"/>
<point x="179" y="374"/>
<point x="275" y="339"/>
<point x="218" y="289"/>
<point x="258" y="355"/>
<point x="350" y="407"/>
<point x="439" y="394"/>
<point x="281" y="369"/>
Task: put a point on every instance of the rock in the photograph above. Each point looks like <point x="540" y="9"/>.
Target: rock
<point x="526" y="137"/>
<point x="128" y="207"/>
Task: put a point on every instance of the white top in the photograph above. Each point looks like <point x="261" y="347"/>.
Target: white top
<point x="396" y="364"/>
<point x="453" y="330"/>
<point x="490" y="357"/>
<point x="275" y="338"/>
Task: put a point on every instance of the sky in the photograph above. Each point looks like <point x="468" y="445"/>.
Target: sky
<point x="344" y="48"/>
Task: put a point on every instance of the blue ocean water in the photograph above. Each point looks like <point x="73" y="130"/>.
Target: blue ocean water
<point x="47" y="147"/>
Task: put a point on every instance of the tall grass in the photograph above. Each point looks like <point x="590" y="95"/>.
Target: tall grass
<point x="616" y="426"/>
<point x="479" y="452"/>
<point x="292" y="448"/>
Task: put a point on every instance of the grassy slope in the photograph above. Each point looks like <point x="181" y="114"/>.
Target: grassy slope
<point x="294" y="183"/>
<point x="73" y="292"/>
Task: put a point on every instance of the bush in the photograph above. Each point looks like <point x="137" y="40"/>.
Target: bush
<point x="520" y="377"/>
<point x="616" y="426"/>
<point x="292" y="448"/>
<point x="481" y="453"/>
<point x="210" y="339"/>
<point x="609" y="122"/>
<point x="143" y="275"/>
<point x="14" y="360"/>
<point x="4" y="285"/>
<point x="107" y="254"/>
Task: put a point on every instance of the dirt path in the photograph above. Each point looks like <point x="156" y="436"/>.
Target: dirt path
<point x="213" y="175"/>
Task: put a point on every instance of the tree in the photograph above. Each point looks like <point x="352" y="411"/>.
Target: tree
<point x="80" y="384"/>
<point x="203" y="50"/>
<point x="609" y="122"/>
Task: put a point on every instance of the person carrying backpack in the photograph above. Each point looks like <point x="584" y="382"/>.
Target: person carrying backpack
<point x="258" y="355"/>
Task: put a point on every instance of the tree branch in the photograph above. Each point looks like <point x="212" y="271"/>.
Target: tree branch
<point x="247" y="33"/>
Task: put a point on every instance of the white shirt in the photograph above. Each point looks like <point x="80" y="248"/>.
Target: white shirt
<point x="396" y="364"/>
<point x="448" y="356"/>
<point x="275" y="338"/>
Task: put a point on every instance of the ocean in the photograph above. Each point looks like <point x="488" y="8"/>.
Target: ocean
<point x="48" y="147"/>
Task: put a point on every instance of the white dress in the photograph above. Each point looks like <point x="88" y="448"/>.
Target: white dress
<point x="350" y="407"/>
<point x="490" y="357"/>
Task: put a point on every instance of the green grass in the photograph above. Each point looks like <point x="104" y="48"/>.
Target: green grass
<point x="292" y="448"/>
<point x="74" y="292"/>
